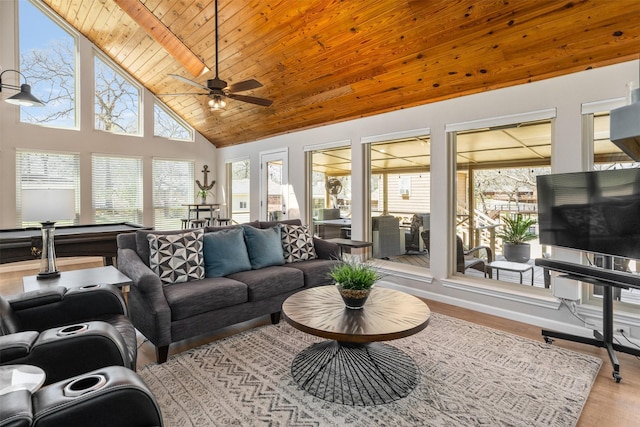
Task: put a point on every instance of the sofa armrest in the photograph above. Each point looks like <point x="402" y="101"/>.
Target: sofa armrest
<point x="39" y="311"/>
<point x="326" y="250"/>
<point x="16" y="346"/>
<point x="148" y="306"/>
<point x="143" y="278"/>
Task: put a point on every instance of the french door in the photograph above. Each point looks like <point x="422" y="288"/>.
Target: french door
<point x="274" y="183"/>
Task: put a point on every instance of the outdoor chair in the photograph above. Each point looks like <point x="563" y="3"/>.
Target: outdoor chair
<point x="420" y="222"/>
<point x="465" y="259"/>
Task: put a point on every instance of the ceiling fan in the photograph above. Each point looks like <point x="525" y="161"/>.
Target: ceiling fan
<point x="217" y="89"/>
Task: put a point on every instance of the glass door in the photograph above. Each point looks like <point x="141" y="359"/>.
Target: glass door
<point x="274" y="185"/>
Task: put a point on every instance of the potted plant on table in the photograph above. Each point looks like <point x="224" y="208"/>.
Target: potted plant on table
<point x="203" y="196"/>
<point x="354" y="280"/>
<point x="515" y="234"/>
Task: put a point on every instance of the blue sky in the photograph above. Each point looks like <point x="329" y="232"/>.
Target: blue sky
<point x="39" y="30"/>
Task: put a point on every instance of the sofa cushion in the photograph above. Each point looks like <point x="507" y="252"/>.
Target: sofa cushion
<point x="269" y="281"/>
<point x="264" y="246"/>
<point x="225" y="252"/>
<point x="316" y="271"/>
<point x="193" y="298"/>
<point x="297" y="243"/>
<point x="177" y="258"/>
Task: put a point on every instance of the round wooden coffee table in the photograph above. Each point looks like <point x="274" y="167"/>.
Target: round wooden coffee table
<point x="354" y="367"/>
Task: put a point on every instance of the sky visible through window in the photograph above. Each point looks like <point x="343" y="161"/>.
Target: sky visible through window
<point x="31" y="36"/>
<point x="47" y="60"/>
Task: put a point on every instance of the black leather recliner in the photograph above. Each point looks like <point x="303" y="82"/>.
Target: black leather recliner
<point x="110" y="396"/>
<point x="67" y="332"/>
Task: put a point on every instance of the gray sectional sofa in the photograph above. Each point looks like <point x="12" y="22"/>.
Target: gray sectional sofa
<point x="188" y="283"/>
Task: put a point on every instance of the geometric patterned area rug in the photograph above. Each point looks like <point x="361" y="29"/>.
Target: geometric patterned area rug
<point x="470" y="375"/>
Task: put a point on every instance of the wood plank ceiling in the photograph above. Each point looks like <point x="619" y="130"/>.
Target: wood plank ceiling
<point x="327" y="61"/>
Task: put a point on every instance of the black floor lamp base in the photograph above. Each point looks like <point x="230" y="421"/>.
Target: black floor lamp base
<point x="48" y="275"/>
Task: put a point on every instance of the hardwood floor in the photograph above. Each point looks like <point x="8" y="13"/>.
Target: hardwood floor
<point x="610" y="403"/>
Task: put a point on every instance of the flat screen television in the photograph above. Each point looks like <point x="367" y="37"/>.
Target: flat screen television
<point x="596" y="212"/>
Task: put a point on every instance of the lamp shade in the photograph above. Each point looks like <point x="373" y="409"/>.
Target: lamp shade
<point x="25" y="98"/>
<point x="48" y="204"/>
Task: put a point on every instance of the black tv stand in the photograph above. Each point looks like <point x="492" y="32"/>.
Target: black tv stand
<point x="608" y="279"/>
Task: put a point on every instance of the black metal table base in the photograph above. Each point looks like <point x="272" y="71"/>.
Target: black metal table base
<point x="355" y="374"/>
<point x="604" y="339"/>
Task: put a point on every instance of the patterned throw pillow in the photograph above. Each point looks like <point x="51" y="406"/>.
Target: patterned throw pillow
<point x="177" y="258"/>
<point x="297" y="243"/>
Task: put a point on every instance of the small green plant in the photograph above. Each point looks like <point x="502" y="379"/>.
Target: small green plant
<point x="516" y="229"/>
<point x="353" y="274"/>
<point x="202" y="193"/>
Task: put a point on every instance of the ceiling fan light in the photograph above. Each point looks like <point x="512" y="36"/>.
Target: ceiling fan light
<point x="217" y="103"/>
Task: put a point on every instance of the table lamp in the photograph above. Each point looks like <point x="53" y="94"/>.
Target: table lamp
<point x="47" y="206"/>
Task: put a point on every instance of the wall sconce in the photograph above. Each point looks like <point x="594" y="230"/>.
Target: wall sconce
<point x="47" y="206"/>
<point x="23" y="97"/>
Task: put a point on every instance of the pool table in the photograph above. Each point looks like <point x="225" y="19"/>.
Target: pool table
<point x="22" y="244"/>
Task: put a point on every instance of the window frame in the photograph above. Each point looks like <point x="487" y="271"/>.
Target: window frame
<point x="124" y="75"/>
<point x="77" y="185"/>
<point x="174" y="116"/>
<point x="73" y="33"/>
<point x="189" y="190"/>
<point x="140" y="185"/>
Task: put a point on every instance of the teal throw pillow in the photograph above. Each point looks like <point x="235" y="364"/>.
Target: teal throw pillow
<point x="264" y="246"/>
<point x="225" y="252"/>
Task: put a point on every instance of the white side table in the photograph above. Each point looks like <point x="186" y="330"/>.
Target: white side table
<point x="511" y="266"/>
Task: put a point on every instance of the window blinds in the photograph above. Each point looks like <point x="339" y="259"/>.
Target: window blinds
<point x="172" y="186"/>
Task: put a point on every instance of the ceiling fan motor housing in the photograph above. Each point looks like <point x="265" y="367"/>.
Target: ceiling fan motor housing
<point x="216" y="83"/>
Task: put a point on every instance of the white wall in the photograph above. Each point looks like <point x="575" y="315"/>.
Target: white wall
<point x="564" y="94"/>
<point x="85" y="141"/>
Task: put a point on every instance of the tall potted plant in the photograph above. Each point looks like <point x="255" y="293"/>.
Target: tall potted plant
<point x="515" y="234"/>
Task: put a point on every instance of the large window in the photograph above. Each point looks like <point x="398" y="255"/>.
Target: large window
<point x="606" y="155"/>
<point x="48" y="60"/>
<point x="400" y="201"/>
<point x="331" y="191"/>
<point x="42" y="170"/>
<point x="167" y="125"/>
<point x="117" y="100"/>
<point x="172" y="187"/>
<point x="496" y="169"/>
<point x="117" y="189"/>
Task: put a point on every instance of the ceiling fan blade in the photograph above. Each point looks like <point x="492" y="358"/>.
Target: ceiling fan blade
<point x="251" y="99"/>
<point x="245" y="85"/>
<point x="180" y="94"/>
<point x="191" y="82"/>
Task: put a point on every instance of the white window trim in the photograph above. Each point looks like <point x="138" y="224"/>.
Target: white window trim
<point x="412" y="133"/>
<point x="600" y="106"/>
<point x="532" y="116"/>
<point x="327" y="145"/>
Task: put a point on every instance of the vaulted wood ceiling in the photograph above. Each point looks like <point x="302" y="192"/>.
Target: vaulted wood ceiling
<point x="326" y="61"/>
